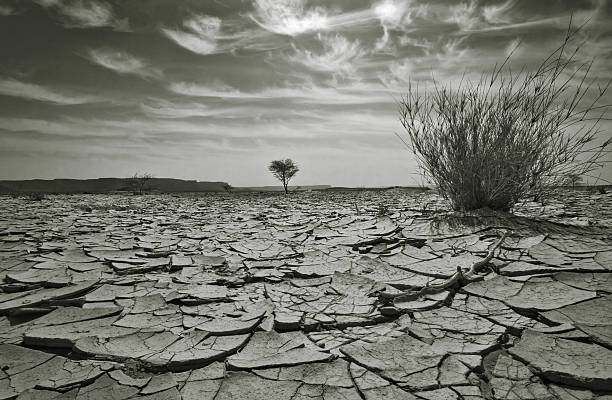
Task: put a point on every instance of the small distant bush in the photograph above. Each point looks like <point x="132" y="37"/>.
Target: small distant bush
<point x="139" y="183"/>
<point x="35" y="196"/>
<point x="508" y="136"/>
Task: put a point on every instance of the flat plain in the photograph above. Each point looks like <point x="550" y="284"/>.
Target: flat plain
<point x="315" y="295"/>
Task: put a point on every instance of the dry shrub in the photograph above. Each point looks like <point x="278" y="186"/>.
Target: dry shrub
<point x="35" y="196"/>
<point x="510" y="135"/>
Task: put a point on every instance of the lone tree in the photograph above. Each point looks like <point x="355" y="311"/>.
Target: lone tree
<point x="509" y="136"/>
<point x="139" y="182"/>
<point x="283" y="170"/>
<point x="574" y="179"/>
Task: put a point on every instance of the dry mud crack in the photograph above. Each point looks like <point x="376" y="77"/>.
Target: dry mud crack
<point x="309" y="296"/>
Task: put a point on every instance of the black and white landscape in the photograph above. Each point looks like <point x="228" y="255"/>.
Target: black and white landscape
<point x="305" y="199"/>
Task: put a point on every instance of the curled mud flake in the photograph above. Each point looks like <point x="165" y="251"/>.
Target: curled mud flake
<point x="565" y="361"/>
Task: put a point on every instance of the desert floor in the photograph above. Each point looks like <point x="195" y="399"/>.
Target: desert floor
<point x="307" y="296"/>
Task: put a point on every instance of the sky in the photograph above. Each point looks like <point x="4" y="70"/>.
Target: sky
<point x="213" y="90"/>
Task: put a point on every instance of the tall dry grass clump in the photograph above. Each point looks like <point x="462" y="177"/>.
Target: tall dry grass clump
<point x="508" y="136"/>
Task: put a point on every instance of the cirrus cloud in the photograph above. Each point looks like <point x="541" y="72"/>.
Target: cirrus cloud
<point x="85" y="14"/>
<point x="6" y="10"/>
<point x="289" y="17"/>
<point x="15" y="88"/>
<point x="339" y="55"/>
<point x="200" y="36"/>
<point x="123" y="63"/>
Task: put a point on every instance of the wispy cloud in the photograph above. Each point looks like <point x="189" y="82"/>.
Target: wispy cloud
<point x="356" y="93"/>
<point x="293" y="17"/>
<point x="6" y="10"/>
<point x="199" y="36"/>
<point x="402" y="71"/>
<point x="396" y="15"/>
<point x="291" y="126"/>
<point x="447" y="60"/>
<point x="123" y="63"/>
<point x="165" y="109"/>
<point x="472" y="17"/>
<point x="552" y="21"/>
<point x="465" y="15"/>
<point x="85" y="14"/>
<point x="160" y="108"/>
<point x="15" y="88"/>
<point x="393" y="13"/>
<point x="215" y="90"/>
<point x="498" y="13"/>
<point x="77" y="127"/>
<point x="339" y="55"/>
<point x="138" y="129"/>
<point x="289" y="17"/>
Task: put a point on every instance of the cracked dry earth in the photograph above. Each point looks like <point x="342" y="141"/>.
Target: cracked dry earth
<point x="273" y="297"/>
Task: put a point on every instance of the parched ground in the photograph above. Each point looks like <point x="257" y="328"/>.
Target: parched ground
<point x="307" y="296"/>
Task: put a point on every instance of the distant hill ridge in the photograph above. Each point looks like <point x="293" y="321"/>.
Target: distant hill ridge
<point x="279" y="188"/>
<point x="161" y="185"/>
<point x="107" y="185"/>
